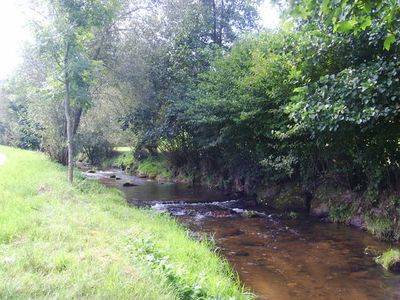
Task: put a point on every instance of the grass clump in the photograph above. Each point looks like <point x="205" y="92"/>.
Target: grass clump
<point x="383" y="228"/>
<point x="64" y="241"/>
<point x="340" y="213"/>
<point x="390" y="260"/>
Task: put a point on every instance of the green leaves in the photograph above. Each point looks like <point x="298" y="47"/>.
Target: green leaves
<point x="355" y="96"/>
<point x="345" y="26"/>
<point x="351" y="16"/>
<point x="390" y="39"/>
<point x="366" y="23"/>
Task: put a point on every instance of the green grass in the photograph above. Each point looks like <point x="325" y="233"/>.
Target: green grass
<point x="155" y="168"/>
<point x="122" y="160"/>
<point x="340" y="213"/>
<point x="390" y="260"/>
<point x="83" y="241"/>
<point x="383" y="228"/>
<point x="123" y="149"/>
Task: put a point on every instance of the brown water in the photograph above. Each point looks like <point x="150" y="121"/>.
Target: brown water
<point x="277" y="259"/>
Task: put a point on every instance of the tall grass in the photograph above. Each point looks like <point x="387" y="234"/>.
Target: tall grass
<point x="83" y="241"/>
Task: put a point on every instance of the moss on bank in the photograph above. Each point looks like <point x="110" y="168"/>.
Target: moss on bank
<point x="83" y="241"/>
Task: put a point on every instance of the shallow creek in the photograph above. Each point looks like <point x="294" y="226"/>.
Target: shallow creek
<point x="277" y="259"/>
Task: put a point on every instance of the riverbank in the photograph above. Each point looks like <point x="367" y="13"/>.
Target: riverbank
<point x="277" y="257"/>
<point x="154" y="168"/>
<point x="331" y="202"/>
<point x="84" y="241"/>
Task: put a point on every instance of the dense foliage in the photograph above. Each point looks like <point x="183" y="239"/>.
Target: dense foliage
<point x="198" y="82"/>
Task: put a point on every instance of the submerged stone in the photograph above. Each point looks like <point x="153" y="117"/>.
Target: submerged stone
<point x="357" y="221"/>
<point x="242" y="253"/>
<point x="372" y="251"/>
<point x="320" y="210"/>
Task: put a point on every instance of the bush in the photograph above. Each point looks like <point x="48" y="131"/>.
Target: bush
<point x="95" y="147"/>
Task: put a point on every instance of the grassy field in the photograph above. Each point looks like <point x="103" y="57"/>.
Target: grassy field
<point x="83" y="241"/>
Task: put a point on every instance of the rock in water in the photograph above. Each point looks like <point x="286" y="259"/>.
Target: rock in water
<point x="357" y="221"/>
<point x="372" y="251"/>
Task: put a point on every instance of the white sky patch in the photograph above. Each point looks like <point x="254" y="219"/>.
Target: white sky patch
<point x="269" y="15"/>
<point x="14" y="31"/>
<point x="13" y="34"/>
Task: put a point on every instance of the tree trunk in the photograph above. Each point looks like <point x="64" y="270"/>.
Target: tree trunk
<point x="221" y="23"/>
<point x="70" y="134"/>
<point x="77" y="118"/>
<point x="215" y="21"/>
<point x="70" y="145"/>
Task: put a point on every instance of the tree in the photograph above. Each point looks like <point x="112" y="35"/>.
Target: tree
<point x="65" y="40"/>
<point x="352" y="15"/>
<point x="189" y="35"/>
<point x="228" y="18"/>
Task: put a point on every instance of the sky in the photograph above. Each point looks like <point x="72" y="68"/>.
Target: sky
<point x="269" y="14"/>
<point x="14" y="32"/>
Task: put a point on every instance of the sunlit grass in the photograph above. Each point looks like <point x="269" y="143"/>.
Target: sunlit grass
<point x="390" y="260"/>
<point x="155" y="168"/>
<point x="83" y="241"/>
<point x="121" y="160"/>
<point x="123" y="149"/>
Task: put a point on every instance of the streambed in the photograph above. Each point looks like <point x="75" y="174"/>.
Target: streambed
<point x="276" y="258"/>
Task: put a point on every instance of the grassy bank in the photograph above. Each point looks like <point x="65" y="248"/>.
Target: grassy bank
<point x="123" y="158"/>
<point x="153" y="167"/>
<point x="83" y="241"/>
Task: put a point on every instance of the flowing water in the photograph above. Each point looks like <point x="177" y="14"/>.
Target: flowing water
<point x="275" y="258"/>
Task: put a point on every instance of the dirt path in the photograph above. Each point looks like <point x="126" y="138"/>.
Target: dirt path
<point x="2" y="159"/>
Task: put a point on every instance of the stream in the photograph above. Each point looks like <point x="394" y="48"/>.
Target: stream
<point x="276" y="258"/>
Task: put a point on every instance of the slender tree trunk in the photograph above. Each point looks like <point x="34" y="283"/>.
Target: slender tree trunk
<point x="70" y="145"/>
<point x="70" y="134"/>
<point x="221" y="23"/>
<point x="214" y="9"/>
<point x="77" y="114"/>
